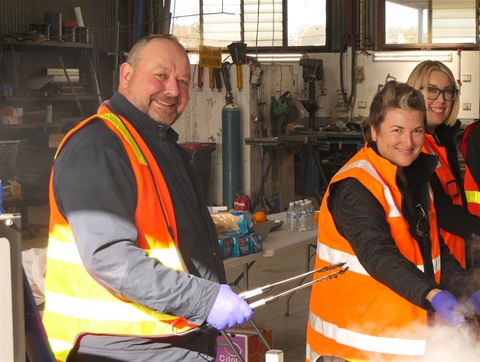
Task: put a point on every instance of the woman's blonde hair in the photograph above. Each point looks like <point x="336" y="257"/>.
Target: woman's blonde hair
<point x="420" y="76"/>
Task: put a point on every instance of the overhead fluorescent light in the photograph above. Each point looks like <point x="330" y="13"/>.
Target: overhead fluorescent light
<point x="411" y="56"/>
<point x="277" y="58"/>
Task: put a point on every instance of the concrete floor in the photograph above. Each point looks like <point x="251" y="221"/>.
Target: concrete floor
<point x="288" y="331"/>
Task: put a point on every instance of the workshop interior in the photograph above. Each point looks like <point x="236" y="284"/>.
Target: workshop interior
<point x="279" y="99"/>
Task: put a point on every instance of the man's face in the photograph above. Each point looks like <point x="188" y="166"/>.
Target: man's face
<point x="158" y="83"/>
<point x="400" y="137"/>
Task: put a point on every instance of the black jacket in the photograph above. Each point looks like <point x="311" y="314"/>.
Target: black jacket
<point x="96" y="190"/>
<point x="453" y="218"/>
<point x="361" y="219"/>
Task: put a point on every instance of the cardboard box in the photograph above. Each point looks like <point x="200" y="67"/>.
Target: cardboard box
<point x="214" y="209"/>
<point x="263" y="228"/>
<point x="54" y="139"/>
<point x="247" y="343"/>
<point x="12" y="115"/>
<point x="11" y="188"/>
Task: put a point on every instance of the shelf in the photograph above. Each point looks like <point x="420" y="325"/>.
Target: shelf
<point x="39" y="102"/>
<point x="36" y="125"/>
<point x="48" y="43"/>
<point x="82" y="97"/>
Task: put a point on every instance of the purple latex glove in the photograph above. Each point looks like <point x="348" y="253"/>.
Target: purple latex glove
<point x="474" y="301"/>
<point x="228" y="310"/>
<point x="448" y="308"/>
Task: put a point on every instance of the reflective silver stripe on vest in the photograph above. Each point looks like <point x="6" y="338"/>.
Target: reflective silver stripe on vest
<point x="400" y="346"/>
<point x="368" y="167"/>
<point x="437" y="264"/>
<point x="334" y="256"/>
<point x="312" y="356"/>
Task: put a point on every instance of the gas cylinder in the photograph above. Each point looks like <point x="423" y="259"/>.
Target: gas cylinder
<point x="241" y="201"/>
<point x="231" y="165"/>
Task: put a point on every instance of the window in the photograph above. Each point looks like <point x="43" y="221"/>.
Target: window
<point x="258" y="23"/>
<point x="430" y="22"/>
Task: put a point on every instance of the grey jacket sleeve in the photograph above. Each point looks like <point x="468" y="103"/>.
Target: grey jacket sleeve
<point x="361" y="219"/>
<point x="96" y="190"/>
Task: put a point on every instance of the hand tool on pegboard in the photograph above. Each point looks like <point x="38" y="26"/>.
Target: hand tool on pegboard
<point x="238" y="52"/>
<point x="200" y="79"/>
<point x="217" y="73"/>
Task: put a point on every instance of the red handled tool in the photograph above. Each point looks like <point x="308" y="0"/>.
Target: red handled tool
<point x="200" y="79"/>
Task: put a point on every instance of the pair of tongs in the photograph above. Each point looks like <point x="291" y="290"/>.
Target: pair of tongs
<point x="266" y="288"/>
<point x="182" y="322"/>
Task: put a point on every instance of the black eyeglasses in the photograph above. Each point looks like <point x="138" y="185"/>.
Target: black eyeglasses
<point x="423" y="226"/>
<point x="449" y="94"/>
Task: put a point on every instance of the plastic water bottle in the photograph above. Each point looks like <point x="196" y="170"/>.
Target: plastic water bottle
<point x="310" y="211"/>
<point x="302" y="217"/>
<point x="291" y="217"/>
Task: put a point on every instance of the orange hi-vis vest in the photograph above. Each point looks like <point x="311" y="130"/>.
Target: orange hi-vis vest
<point x="355" y="317"/>
<point x="455" y="243"/>
<point x="75" y="302"/>
<point x="472" y="190"/>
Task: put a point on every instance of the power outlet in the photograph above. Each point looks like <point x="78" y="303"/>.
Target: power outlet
<point x="359" y="72"/>
<point x="467" y="106"/>
<point x="322" y="91"/>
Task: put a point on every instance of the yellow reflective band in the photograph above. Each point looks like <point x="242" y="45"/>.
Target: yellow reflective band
<point x="473" y="196"/>
<point x="102" y="310"/>
<point x="63" y="251"/>
<point x="117" y="122"/>
<point x="168" y="257"/>
<point x="364" y="342"/>
<point x="60" y="348"/>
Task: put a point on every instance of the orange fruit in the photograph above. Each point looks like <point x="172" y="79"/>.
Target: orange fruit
<point x="260" y="216"/>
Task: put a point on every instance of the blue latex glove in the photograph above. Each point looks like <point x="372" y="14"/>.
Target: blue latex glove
<point x="228" y="310"/>
<point x="474" y="301"/>
<point x="448" y="308"/>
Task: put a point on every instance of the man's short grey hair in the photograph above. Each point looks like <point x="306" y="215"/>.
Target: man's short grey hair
<point x="134" y="54"/>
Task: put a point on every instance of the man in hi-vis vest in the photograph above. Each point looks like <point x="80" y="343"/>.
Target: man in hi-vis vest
<point x="133" y="261"/>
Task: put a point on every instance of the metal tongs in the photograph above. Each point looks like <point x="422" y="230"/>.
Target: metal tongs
<point x="182" y="322"/>
<point x="266" y="288"/>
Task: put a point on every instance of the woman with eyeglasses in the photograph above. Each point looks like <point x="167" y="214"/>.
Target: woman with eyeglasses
<point x="377" y="215"/>
<point x="458" y="226"/>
